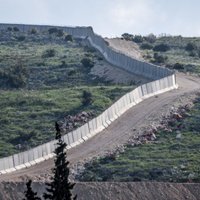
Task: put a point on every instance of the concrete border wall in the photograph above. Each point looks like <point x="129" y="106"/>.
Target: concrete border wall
<point x="164" y="80"/>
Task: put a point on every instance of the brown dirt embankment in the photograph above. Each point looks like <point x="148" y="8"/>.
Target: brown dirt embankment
<point x="113" y="191"/>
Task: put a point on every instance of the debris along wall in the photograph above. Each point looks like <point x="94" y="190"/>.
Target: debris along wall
<point x="164" y="81"/>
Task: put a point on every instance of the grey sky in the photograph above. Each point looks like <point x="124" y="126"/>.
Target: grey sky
<point x="109" y="17"/>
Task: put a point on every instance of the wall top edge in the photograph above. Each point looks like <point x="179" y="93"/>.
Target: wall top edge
<point x="44" y="25"/>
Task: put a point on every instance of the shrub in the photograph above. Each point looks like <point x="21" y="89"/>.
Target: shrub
<point x="127" y="36"/>
<point x="191" y="68"/>
<point x="178" y="66"/>
<point x="192" y="54"/>
<point x="87" y="62"/>
<point x="63" y="64"/>
<point x="52" y="30"/>
<point x="49" y="53"/>
<point x="86" y="98"/>
<point x="9" y="29"/>
<point x="161" y="47"/>
<point x="138" y="39"/>
<point x="21" y="38"/>
<point x="39" y="64"/>
<point x="68" y="38"/>
<point x="15" y="29"/>
<point x="72" y="72"/>
<point x="159" y="58"/>
<point x="146" y="46"/>
<point x="190" y="47"/>
<point x="60" y="33"/>
<point x="151" y="38"/>
<point x="33" y="31"/>
<point x="15" y="77"/>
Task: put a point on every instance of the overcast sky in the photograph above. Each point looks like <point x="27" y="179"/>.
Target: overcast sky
<point x="109" y="17"/>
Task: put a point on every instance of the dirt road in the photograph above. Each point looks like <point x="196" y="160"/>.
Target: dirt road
<point x="141" y="115"/>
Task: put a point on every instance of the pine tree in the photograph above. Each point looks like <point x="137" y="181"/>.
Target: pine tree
<point x="59" y="188"/>
<point x="29" y="194"/>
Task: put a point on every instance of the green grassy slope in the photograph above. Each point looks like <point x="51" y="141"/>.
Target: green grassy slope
<point x="165" y="159"/>
<point x="42" y="79"/>
<point x="168" y="158"/>
<point x="175" y="52"/>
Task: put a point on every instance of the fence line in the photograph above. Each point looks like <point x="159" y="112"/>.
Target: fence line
<point x="164" y="80"/>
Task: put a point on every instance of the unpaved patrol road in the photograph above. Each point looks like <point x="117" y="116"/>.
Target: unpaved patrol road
<point x="141" y="115"/>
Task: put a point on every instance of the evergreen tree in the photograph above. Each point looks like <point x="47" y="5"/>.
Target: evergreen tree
<point x="59" y="188"/>
<point x="29" y="194"/>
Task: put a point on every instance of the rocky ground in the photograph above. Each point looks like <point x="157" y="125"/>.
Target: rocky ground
<point x="131" y="48"/>
<point x="147" y="133"/>
<point x="71" y="122"/>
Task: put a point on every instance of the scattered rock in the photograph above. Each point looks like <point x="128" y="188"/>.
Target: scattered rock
<point x="179" y="136"/>
<point x="72" y="122"/>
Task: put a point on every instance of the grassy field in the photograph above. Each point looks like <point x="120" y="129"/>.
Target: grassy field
<point x="28" y="116"/>
<point x="166" y="159"/>
<point x="42" y="79"/>
<point x="62" y="68"/>
<point x="175" y="52"/>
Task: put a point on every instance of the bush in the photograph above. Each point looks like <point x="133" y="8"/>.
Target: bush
<point x="63" y="64"/>
<point x="127" y="36"/>
<point x="190" y="47"/>
<point x="15" y="29"/>
<point x="151" y="38"/>
<point x="178" y="66"/>
<point x="87" y="62"/>
<point x="15" y="77"/>
<point x="21" y="38"/>
<point x="146" y="46"/>
<point x="68" y="38"/>
<point x="9" y="29"/>
<point x="159" y="58"/>
<point x="192" y="54"/>
<point x="52" y="30"/>
<point x="138" y="39"/>
<point x="60" y="33"/>
<point x="33" y="31"/>
<point x="49" y="53"/>
<point x="86" y="98"/>
<point x="72" y="72"/>
<point x="161" y="47"/>
<point x="191" y="68"/>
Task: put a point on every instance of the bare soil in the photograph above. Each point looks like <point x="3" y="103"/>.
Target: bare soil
<point x="113" y="191"/>
<point x="117" y="75"/>
<point x="130" y="48"/>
